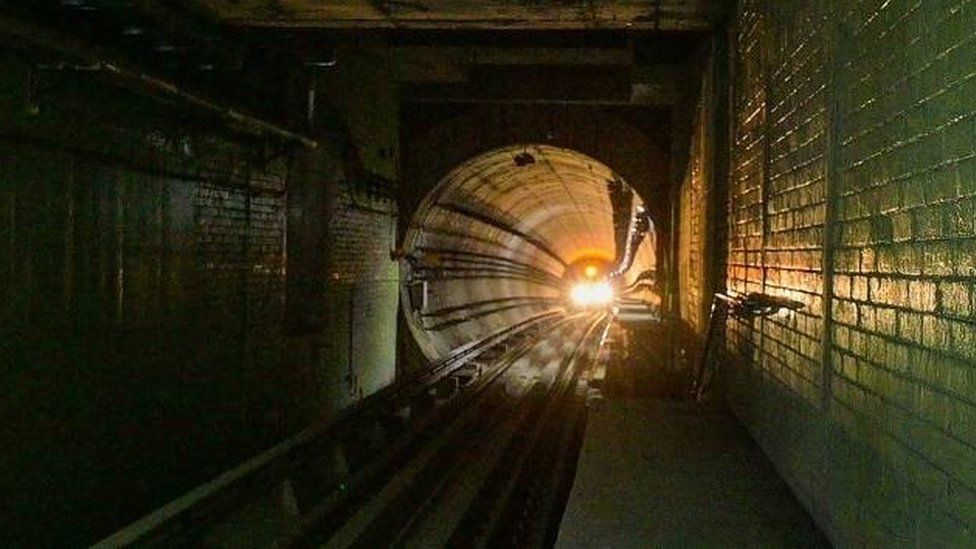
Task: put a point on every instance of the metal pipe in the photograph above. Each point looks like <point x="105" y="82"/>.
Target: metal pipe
<point x="486" y="257"/>
<point x="474" y="275"/>
<point x="462" y="264"/>
<point x="477" y="304"/>
<point x="641" y="224"/>
<point x="474" y="316"/>
<point x="137" y="165"/>
<point x="438" y="273"/>
<point x="152" y="85"/>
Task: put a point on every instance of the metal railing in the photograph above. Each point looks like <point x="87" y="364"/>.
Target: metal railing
<point x="736" y="305"/>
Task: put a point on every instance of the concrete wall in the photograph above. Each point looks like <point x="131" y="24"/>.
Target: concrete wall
<point x="853" y="177"/>
<point x="434" y="141"/>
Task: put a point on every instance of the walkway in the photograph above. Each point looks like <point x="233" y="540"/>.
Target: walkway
<point x="657" y="473"/>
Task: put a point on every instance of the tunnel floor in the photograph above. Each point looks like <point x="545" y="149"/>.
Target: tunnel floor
<point x="663" y="473"/>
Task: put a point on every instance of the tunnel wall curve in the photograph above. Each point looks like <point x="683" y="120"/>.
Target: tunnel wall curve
<point x="435" y="138"/>
<point x="438" y="142"/>
<point x="489" y="246"/>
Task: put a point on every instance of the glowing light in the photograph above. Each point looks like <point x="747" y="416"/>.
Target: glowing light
<point x="590" y="294"/>
<point x="591" y="271"/>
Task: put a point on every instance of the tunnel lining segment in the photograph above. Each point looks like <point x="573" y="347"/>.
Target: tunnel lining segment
<point x="510" y="222"/>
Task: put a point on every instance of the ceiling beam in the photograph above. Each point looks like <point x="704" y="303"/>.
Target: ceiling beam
<point x="25" y="34"/>
<point x="652" y="85"/>
<point x="665" y="15"/>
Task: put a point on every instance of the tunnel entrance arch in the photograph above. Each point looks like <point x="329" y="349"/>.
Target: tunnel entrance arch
<point x="492" y="244"/>
<point x="636" y="143"/>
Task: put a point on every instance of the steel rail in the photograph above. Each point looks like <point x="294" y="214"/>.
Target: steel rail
<point x="472" y="350"/>
<point x="188" y="516"/>
<point x="410" y="498"/>
<point x="498" y="505"/>
<point x="443" y="325"/>
<point x="413" y="467"/>
<point x="444" y="311"/>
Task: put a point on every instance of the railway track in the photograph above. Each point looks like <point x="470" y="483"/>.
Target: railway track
<point x="491" y="469"/>
<point x="480" y="451"/>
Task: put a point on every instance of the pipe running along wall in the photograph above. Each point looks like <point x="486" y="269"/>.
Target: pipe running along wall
<point x="501" y="236"/>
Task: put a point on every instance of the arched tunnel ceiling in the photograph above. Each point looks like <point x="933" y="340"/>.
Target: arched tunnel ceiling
<point x="490" y="245"/>
<point x="559" y="196"/>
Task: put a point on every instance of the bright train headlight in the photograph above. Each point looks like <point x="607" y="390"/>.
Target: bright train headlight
<point x="590" y="294"/>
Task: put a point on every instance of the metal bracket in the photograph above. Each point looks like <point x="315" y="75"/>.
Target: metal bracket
<point x="757" y="304"/>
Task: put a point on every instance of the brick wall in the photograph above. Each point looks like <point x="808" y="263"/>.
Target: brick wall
<point x="357" y="353"/>
<point x="343" y="285"/>
<point x="701" y="218"/>
<point x="854" y="171"/>
<point x="693" y="226"/>
<point x="747" y="170"/>
<point x="141" y="303"/>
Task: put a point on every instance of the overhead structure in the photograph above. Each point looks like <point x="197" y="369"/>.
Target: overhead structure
<point x="455" y="14"/>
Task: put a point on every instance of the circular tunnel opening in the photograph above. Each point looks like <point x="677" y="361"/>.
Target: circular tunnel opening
<point x="518" y="233"/>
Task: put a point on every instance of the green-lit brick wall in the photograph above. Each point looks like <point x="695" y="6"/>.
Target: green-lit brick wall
<point x="141" y="301"/>
<point x="343" y="220"/>
<point x="693" y="226"/>
<point x="357" y="350"/>
<point x="854" y="155"/>
<point x="145" y="262"/>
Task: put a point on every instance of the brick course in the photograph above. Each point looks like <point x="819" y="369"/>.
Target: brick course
<point x="865" y="103"/>
<point x="141" y="310"/>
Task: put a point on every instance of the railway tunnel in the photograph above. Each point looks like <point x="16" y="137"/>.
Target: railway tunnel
<point x="373" y="273"/>
<point x="507" y="234"/>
